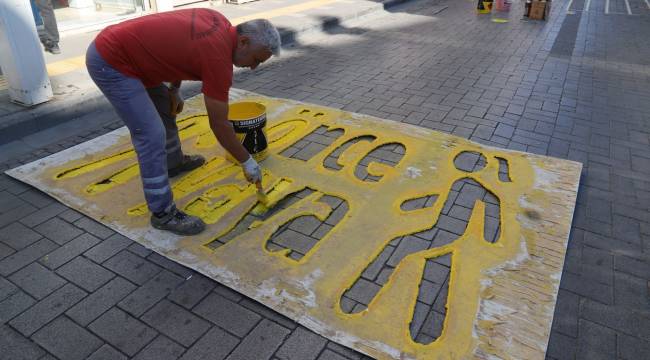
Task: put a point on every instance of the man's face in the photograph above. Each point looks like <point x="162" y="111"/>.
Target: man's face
<point x="248" y="54"/>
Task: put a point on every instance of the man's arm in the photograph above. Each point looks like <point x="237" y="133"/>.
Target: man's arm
<point x="223" y="130"/>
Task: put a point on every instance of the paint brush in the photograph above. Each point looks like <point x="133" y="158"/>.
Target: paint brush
<point x="261" y="195"/>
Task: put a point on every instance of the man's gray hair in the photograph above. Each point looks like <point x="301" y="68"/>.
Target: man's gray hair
<point x="262" y="32"/>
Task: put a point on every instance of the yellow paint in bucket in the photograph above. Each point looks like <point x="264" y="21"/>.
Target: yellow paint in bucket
<point x="249" y="122"/>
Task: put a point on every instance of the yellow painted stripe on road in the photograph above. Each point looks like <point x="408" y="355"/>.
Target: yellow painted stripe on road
<point x="65" y="66"/>
<point x="75" y="63"/>
<point x="4" y="85"/>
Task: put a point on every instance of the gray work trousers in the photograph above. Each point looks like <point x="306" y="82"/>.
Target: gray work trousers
<point x="147" y="115"/>
<point x="50" y="35"/>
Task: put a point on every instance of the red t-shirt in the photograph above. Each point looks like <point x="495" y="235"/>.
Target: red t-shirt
<point x="189" y="44"/>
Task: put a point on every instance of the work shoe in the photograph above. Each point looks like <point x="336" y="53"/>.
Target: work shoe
<point x="189" y="163"/>
<point x="177" y="222"/>
<point x="53" y="48"/>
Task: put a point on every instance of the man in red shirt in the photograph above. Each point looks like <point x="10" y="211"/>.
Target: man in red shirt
<point x="131" y="62"/>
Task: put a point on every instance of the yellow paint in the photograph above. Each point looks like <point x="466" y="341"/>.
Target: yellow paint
<point x="4" y="85"/>
<point x="65" y="66"/>
<point x="242" y="111"/>
<point x="501" y="295"/>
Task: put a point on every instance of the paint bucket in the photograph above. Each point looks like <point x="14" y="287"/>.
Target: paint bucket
<point x="249" y="121"/>
<point x="484" y="6"/>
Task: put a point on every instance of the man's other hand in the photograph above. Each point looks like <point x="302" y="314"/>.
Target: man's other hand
<point x="176" y="101"/>
<point x="252" y="170"/>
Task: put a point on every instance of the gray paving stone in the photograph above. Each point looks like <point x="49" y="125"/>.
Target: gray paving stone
<point x="619" y="318"/>
<point x="363" y="291"/>
<point x="177" y="323"/>
<point x="69" y="251"/>
<point x="17" y="188"/>
<point x="123" y="331"/>
<point x="37" y="198"/>
<point x="58" y="231"/>
<point x="18" y="236"/>
<point x="170" y="265"/>
<point x="371" y="272"/>
<point x="25" y="256"/>
<point x="93" y="227"/>
<point x="341" y="350"/>
<point x="107" y="352"/>
<point x="70" y="215"/>
<point x="43" y="214"/>
<point x="567" y="310"/>
<point x="419" y="316"/>
<point x="435" y="272"/>
<point x="192" y="290"/>
<point x="132" y="267"/>
<point x="100" y="301"/>
<point x="587" y="288"/>
<point x="9" y="202"/>
<point x="67" y="340"/>
<point x="13" y="305"/>
<point x="139" y="250"/>
<point x="228" y="293"/>
<point x="433" y="324"/>
<point x="632" y="266"/>
<point x="630" y="347"/>
<point x="561" y="347"/>
<point x="161" y="348"/>
<point x="230" y="316"/>
<point x="107" y="248"/>
<point x="5" y="251"/>
<point x="631" y="291"/>
<point x="305" y="224"/>
<point x="6" y="289"/>
<point x="408" y="245"/>
<point x="302" y="344"/>
<point x="47" y="309"/>
<point x="216" y="344"/>
<point x="261" y="343"/>
<point x="596" y="341"/>
<point x="37" y="281"/>
<point x="268" y="313"/>
<point x="428" y="292"/>
<point x="85" y="274"/>
<point x="626" y="229"/>
<point x="150" y="293"/>
<point x="16" y="214"/>
<point x="294" y="240"/>
<point x="331" y="355"/>
<point x="16" y="347"/>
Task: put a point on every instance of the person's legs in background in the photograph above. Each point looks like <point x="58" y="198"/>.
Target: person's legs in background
<point x="177" y="162"/>
<point x="50" y="35"/>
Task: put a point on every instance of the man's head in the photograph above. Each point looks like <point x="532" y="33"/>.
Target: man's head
<point x="257" y="40"/>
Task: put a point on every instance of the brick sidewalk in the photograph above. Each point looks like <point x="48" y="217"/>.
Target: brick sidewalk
<point x="571" y="88"/>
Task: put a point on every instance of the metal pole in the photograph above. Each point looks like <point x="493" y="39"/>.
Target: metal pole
<point x="21" y="55"/>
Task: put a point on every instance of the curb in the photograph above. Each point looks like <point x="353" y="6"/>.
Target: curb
<point x="41" y="117"/>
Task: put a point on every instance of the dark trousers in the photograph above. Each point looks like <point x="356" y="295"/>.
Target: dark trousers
<point x="51" y="33"/>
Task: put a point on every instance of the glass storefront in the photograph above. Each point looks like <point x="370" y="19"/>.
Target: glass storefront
<point x="74" y="14"/>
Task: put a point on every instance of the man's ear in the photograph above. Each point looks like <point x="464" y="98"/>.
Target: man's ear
<point x="243" y="40"/>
